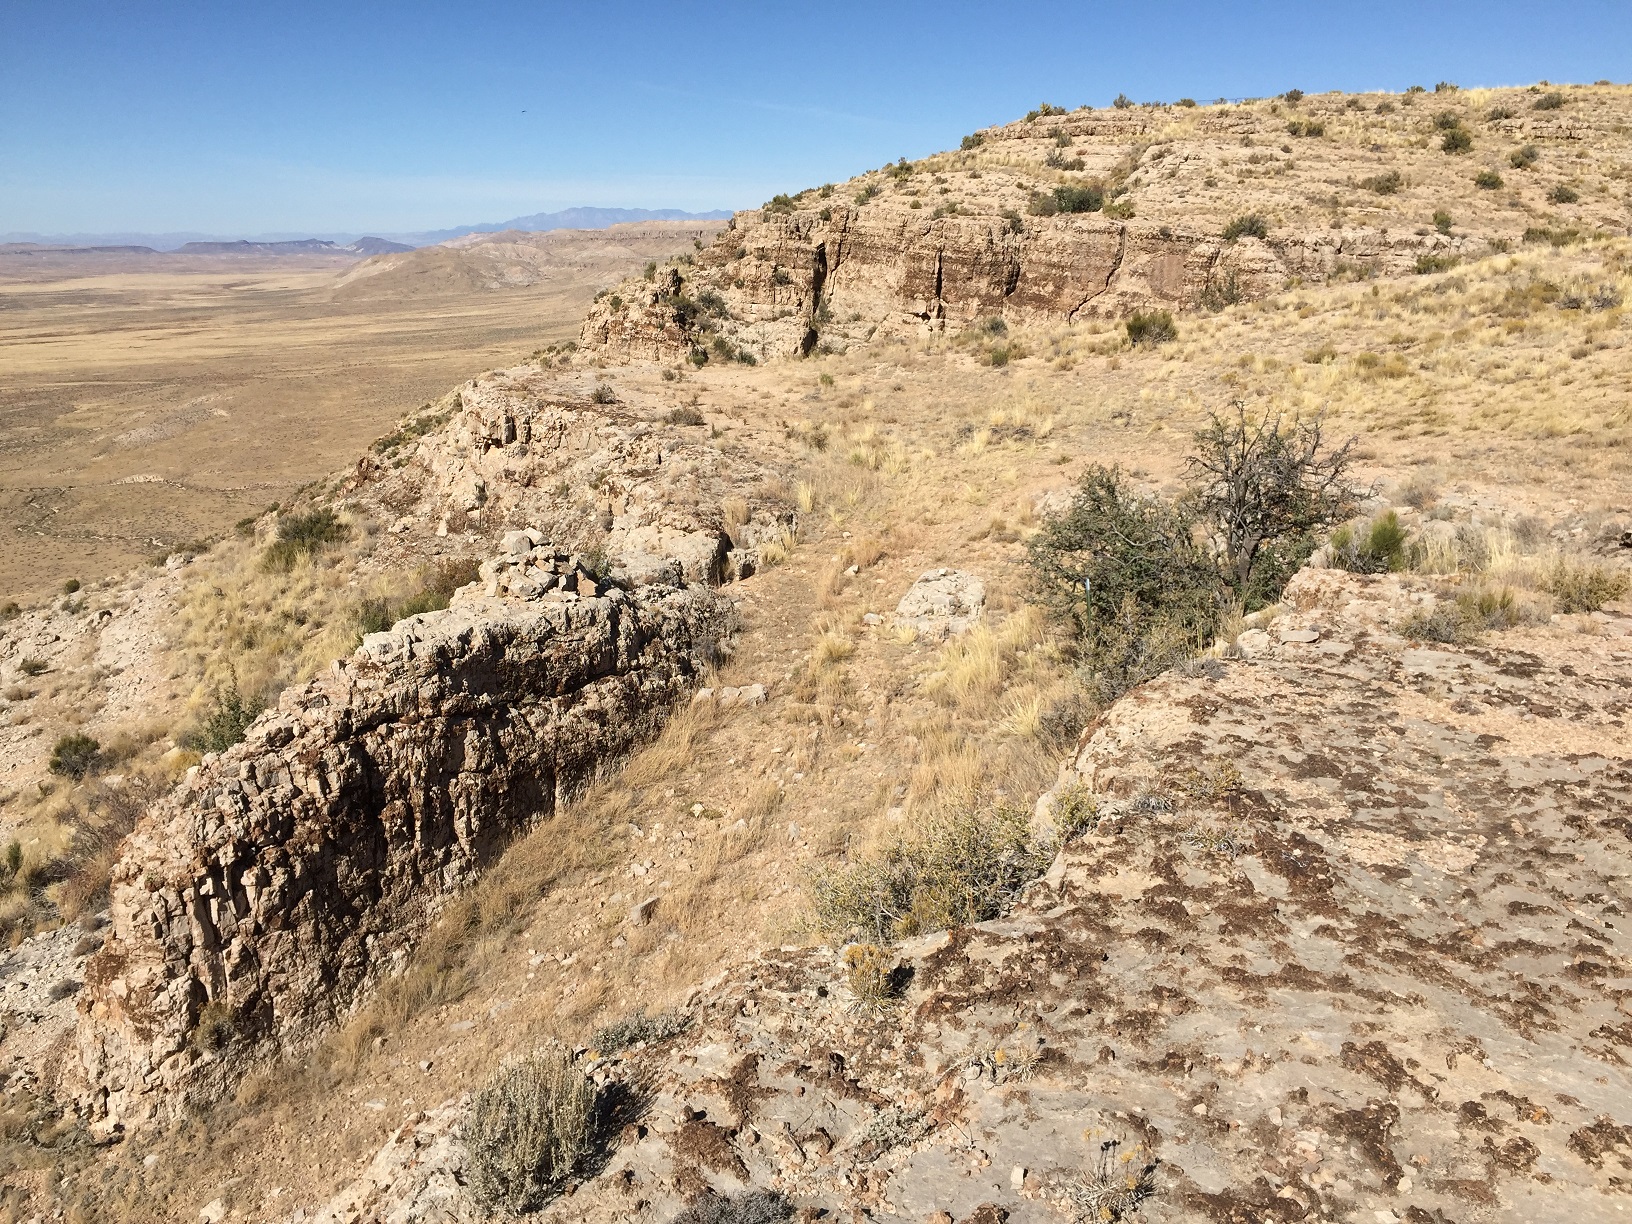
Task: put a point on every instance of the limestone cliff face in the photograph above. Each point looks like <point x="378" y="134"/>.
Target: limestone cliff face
<point x="788" y="281"/>
<point x="295" y="868"/>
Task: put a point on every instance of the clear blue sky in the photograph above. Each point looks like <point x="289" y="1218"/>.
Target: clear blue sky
<point x="244" y="117"/>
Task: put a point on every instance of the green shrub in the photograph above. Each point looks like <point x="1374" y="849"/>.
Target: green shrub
<point x="437" y="586"/>
<point x="639" y="1028"/>
<point x="1562" y="236"/>
<point x="214" y="1028"/>
<point x="684" y="415"/>
<point x="1124" y="547"/>
<point x="10" y="610"/>
<point x="31" y="666"/>
<point x="972" y="141"/>
<point x="1187" y="103"/>
<point x="227" y="718"/>
<point x="1584" y="586"/>
<point x="1248" y="225"/>
<point x="957" y="869"/>
<point x="69" y="587"/>
<point x="1074" y="812"/>
<point x="303" y="535"/>
<point x="1306" y="127"/>
<point x="1447" y="121"/>
<point x="1151" y="329"/>
<point x="1388" y="183"/>
<point x="1549" y="102"/>
<point x="1497" y="113"/>
<point x="1523" y="158"/>
<point x="1457" y="140"/>
<point x="779" y="203"/>
<point x="530" y="1128"/>
<point x="1442" y="221"/>
<point x="1487" y="180"/>
<point x="1293" y="96"/>
<point x="1471" y="611"/>
<point x="1562" y="195"/>
<point x="74" y="756"/>
<point x="1066" y="199"/>
<point x="1432" y="262"/>
<point x="1378" y="548"/>
<point x="1122" y="102"/>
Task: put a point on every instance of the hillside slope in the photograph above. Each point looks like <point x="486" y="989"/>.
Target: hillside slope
<point x="1334" y="932"/>
<point x="515" y="259"/>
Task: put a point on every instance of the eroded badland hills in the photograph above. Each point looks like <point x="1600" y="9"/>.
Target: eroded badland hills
<point x="1085" y="677"/>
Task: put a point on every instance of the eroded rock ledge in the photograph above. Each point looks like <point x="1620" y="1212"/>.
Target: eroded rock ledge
<point x="286" y="875"/>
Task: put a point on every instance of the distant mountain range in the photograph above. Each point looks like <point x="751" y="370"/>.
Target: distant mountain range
<point x="361" y="244"/>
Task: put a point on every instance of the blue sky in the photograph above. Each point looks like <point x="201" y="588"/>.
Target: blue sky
<point x="253" y="117"/>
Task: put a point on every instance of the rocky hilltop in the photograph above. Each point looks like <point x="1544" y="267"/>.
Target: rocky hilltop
<point x="1063" y="216"/>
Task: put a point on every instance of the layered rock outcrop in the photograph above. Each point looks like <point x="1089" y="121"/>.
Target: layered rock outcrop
<point x="1345" y="940"/>
<point x="297" y="867"/>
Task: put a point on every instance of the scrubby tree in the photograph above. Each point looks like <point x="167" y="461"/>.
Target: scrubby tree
<point x="1264" y="488"/>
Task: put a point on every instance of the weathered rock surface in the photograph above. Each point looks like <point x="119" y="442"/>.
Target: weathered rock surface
<point x="298" y="866"/>
<point x="1346" y="943"/>
<point x="943" y="603"/>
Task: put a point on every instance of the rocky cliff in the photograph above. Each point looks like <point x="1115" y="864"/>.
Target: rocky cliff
<point x="261" y="899"/>
<point x="296" y="868"/>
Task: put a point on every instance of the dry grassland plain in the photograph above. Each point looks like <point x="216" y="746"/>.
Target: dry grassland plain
<point x="150" y="401"/>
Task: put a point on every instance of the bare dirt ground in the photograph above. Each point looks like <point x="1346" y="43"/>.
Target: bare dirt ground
<point x="150" y="401"/>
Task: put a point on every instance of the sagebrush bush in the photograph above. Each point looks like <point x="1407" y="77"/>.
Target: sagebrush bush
<point x="1471" y="610"/>
<point x="1457" y="140"/>
<point x="961" y="867"/>
<point x="1152" y="328"/>
<point x="1389" y="183"/>
<point x="303" y="535"/>
<point x="1487" y="180"/>
<point x="1549" y="101"/>
<point x="530" y="1128"/>
<point x="74" y="755"/>
<point x="638" y="1028"/>
<point x="1524" y="157"/>
<point x="1377" y="548"/>
<point x="1562" y="195"/>
<point x="225" y="719"/>
<point x="1583" y="586"/>
<point x="751" y="1207"/>
<point x="1248" y="225"/>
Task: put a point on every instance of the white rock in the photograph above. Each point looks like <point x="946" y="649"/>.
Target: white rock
<point x="942" y="603"/>
<point x="212" y="1212"/>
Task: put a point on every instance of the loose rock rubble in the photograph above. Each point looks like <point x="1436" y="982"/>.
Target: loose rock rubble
<point x="1344" y="942"/>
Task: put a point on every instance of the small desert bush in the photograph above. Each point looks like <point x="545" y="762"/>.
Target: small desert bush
<point x="1074" y="812"/>
<point x="1583" y="586"/>
<point x="684" y="415"/>
<point x="303" y="535"/>
<point x="1151" y="329"/>
<point x="1248" y="225"/>
<point x="1562" y="195"/>
<point x="1457" y="140"/>
<point x="32" y="667"/>
<point x="1377" y="548"/>
<point x="1471" y="610"/>
<point x="1487" y="180"/>
<point x="1549" y="101"/>
<point x="225" y="719"/>
<point x="639" y="1028"/>
<point x="751" y="1207"/>
<point x="961" y="867"/>
<point x="1069" y="198"/>
<point x="74" y="756"/>
<point x="1389" y="183"/>
<point x="1523" y="157"/>
<point x="869" y="972"/>
<point x="529" y="1130"/>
